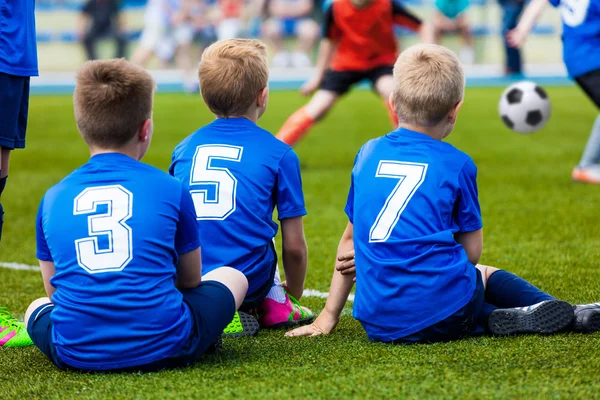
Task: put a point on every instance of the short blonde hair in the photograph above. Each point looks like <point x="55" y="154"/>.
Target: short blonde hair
<point x="429" y="82"/>
<point x="232" y="73"/>
<point x="112" y="99"/>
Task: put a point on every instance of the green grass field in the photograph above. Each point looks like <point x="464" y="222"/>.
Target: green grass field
<point x="538" y="224"/>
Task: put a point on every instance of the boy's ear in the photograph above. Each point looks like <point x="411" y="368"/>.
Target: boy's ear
<point x="145" y="131"/>
<point x="391" y="103"/>
<point x="453" y="114"/>
<point x="261" y="100"/>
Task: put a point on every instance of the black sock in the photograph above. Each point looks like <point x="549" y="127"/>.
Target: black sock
<point x="2" y="183"/>
<point x="505" y="290"/>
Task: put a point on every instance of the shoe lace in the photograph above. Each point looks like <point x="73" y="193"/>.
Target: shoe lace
<point x="7" y="320"/>
<point x="297" y="305"/>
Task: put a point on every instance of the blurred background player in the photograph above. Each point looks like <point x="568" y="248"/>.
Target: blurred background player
<point x="101" y="19"/>
<point x="359" y="43"/>
<point x="155" y="26"/>
<point x="581" y="53"/>
<point x="450" y="16"/>
<point x="511" y="11"/>
<point x="18" y="62"/>
<point x="290" y="18"/>
<point x="227" y="18"/>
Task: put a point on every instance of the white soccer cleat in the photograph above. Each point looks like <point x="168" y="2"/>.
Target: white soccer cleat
<point x="301" y="60"/>
<point x="281" y="60"/>
<point x="587" y="175"/>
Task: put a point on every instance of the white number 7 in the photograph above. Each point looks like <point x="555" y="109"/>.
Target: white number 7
<point x="411" y="176"/>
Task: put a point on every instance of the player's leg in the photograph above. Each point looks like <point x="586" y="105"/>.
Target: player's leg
<point x="120" y="44"/>
<point x="522" y="307"/>
<point x="151" y="37"/>
<point x="588" y="169"/>
<point x="183" y="36"/>
<point x="467" y="51"/>
<point x="228" y="28"/>
<point x="511" y="12"/>
<point x="272" y="31"/>
<point x="383" y="81"/>
<point x="307" y="33"/>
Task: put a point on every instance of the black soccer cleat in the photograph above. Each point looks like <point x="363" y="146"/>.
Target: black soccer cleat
<point x="587" y="318"/>
<point x="549" y="316"/>
<point x="216" y="347"/>
<point x="243" y="324"/>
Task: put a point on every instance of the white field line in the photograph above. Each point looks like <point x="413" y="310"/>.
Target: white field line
<point x="25" y="267"/>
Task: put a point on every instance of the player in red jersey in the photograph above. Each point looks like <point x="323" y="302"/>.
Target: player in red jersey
<point x="359" y="43"/>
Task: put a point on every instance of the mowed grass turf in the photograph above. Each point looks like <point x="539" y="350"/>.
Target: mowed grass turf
<point x="538" y="224"/>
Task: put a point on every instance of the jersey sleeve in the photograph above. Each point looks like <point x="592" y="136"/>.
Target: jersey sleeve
<point x="555" y="3"/>
<point x="43" y="252"/>
<point x="186" y="238"/>
<point x="330" y="30"/>
<point x="467" y="213"/>
<point x="404" y="18"/>
<point x="290" y="198"/>
<point x="349" y="209"/>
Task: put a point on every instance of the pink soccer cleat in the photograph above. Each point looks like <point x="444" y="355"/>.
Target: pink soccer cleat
<point x="275" y="315"/>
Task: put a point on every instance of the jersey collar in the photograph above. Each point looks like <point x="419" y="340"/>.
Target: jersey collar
<point x="403" y="132"/>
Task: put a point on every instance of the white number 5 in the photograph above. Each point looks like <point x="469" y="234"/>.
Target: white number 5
<point x="111" y="224"/>
<point x="411" y="176"/>
<point x="574" y="12"/>
<point x="222" y="203"/>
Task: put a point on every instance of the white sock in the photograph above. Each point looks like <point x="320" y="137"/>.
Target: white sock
<point x="277" y="293"/>
<point x="591" y="154"/>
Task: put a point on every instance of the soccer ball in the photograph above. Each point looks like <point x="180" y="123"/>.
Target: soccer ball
<point x="524" y="107"/>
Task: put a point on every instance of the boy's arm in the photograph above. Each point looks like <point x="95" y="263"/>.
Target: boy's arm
<point x="189" y="270"/>
<point x="187" y="244"/>
<point x="326" y="51"/>
<point x="295" y="255"/>
<point x="48" y="271"/>
<point x="338" y="294"/>
<point x="517" y="36"/>
<point x="472" y="242"/>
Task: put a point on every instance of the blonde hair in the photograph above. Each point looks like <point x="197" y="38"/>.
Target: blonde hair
<point x="112" y="99"/>
<point x="429" y="82"/>
<point x="232" y="73"/>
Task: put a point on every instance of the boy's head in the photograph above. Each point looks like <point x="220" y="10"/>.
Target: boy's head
<point x="429" y="85"/>
<point x="234" y="76"/>
<point x="113" y="104"/>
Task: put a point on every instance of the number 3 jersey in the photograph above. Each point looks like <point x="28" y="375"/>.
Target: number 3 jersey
<point x="114" y="229"/>
<point x="411" y="194"/>
<point x="237" y="174"/>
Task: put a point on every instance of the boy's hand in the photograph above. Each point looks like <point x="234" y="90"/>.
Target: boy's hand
<point x="516" y="37"/>
<point x="323" y="325"/>
<point x="345" y="263"/>
<point x="310" y="86"/>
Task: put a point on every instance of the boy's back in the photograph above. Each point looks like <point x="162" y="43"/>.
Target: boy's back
<point x="111" y="227"/>
<point x="414" y="193"/>
<point x="237" y="174"/>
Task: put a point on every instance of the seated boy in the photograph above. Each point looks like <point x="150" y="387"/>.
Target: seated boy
<point x="418" y="235"/>
<point x="118" y="245"/>
<point x="450" y="16"/>
<point x="237" y="174"/>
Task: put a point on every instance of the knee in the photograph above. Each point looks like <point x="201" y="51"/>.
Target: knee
<point x="271" y="29"/>
<point x="487" y="271"/>
<point x="308" y="30"/>
<point x="34" y="306"/>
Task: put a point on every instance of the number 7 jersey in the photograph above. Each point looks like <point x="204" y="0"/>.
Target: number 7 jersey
<point x="412" y="194"/>
<point x="237" y="174"/>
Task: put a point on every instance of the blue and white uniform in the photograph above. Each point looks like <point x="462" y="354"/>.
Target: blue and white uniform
<point x="411" y="194"/>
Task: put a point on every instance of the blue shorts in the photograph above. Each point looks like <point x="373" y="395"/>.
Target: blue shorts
<point x="14" y="107"/>
<point x="211" y="304"/>
<point x="452" y="8"/>
<point x="289" y="26"/>
<point x="465" y="322"/>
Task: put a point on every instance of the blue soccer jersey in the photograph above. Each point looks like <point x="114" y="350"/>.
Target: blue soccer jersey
<point x="114" y="229"/>
<point x="412" y="194"/>
<point x="581" y="35"/>
<point x="237" y="174"/>
<point x="18" y="49"/>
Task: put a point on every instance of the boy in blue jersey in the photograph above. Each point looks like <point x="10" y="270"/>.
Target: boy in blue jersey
<point x="18" y="62"/>
<point x="581" y="54"/>
<point x="418" y="236"/>
<point x="237" y="174"/>
<point x="118" y="245"/>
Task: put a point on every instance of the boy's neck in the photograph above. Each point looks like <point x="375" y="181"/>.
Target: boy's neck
<point x="130" y="151"/>
<point x="252" y="115"/>
<point x="437" y="132"/>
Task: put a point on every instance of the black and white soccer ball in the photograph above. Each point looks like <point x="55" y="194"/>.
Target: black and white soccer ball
<point x="524" y="107"/>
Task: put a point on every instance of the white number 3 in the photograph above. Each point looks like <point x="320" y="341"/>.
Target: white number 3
<point x="111" y="224"/>
<point x="411" y="176"/>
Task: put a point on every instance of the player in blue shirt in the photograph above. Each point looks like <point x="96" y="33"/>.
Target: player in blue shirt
<point x="581" y="54"/>
<point x="118" y="245"/>
<point x="238" y="174"/>
<point x="18" y="62"/>
<point x="418" y="236"/>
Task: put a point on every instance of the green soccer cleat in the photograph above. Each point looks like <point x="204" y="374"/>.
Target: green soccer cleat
<point x="243" y="324"/>
<point x="12" y="332"/>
